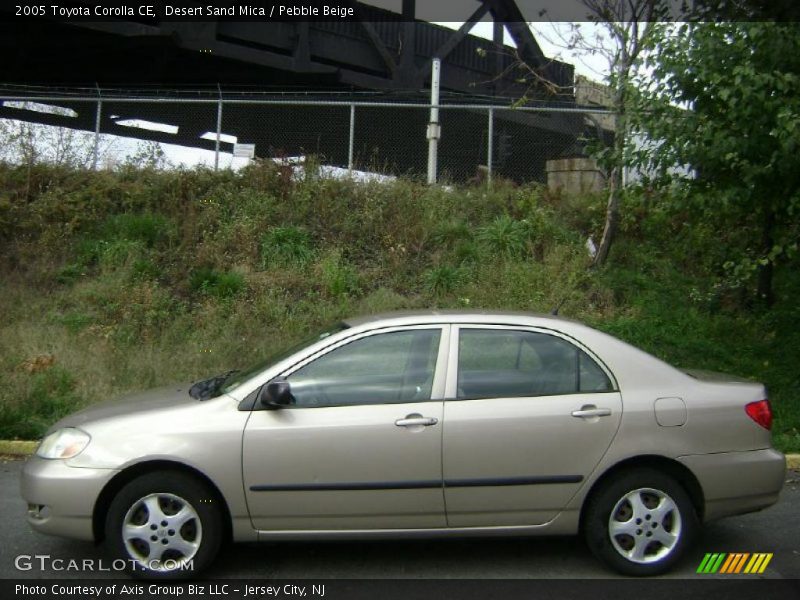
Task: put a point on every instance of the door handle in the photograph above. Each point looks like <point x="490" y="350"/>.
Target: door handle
<point x="590" y="410"/>
<point x="414" y="420"/>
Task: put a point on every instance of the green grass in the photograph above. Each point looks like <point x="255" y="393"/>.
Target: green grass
<point x="442" y="280"/>
<point x="114" y="282"/>
<point x="287" y="245"/>
<point x="148" y="228"/>
<point x="218" y="284"/>
<point x="505" y="237"/>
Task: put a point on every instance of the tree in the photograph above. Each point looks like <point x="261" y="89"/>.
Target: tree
<point x="627" y="27"/>
<point x="148" y="155"/>
<point x="723" y="99"/>
<point x="30" y="143"/>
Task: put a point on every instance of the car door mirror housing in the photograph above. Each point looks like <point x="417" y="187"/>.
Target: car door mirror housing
<point x="276" y="394"/>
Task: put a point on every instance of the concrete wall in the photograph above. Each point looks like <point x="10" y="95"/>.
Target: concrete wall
<point x="574" y="176"/>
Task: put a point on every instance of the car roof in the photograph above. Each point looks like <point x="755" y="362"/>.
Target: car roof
<point x="454" y="316"/>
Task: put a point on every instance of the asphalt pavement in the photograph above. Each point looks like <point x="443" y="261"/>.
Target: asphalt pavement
<point x="775" y="530"/>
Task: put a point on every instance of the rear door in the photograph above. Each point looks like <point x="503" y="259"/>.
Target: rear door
<point x="528" y="415"/>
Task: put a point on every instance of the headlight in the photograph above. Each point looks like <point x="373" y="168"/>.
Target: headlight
<point x="64" y="443"/>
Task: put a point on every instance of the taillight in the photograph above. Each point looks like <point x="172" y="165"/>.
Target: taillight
<point x="760" y="412"/>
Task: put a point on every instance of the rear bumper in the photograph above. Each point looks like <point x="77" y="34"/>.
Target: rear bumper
<point x="734" y="483"/>
<point x="61" y="498"/>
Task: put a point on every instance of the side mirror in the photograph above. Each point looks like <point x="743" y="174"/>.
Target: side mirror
<point x="276" y="394"/>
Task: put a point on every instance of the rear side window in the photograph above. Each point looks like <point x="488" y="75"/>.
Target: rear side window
<point x="499" y="363"/>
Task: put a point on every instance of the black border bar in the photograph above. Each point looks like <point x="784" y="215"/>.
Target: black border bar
<point x="152" y="12"/>
<point x="732" y="588"/>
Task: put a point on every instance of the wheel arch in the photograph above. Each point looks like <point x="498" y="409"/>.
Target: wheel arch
<point x="678" y="471"/>
<point x="130" y="473"/>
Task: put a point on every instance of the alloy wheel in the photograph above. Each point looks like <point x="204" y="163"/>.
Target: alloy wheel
<point x="645" y="525"/>
<point x="160" y="531"/>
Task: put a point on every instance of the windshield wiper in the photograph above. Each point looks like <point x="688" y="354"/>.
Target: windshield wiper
<point x="208" y="388"/>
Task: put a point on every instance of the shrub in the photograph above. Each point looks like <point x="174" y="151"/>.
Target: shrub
<point x="219" y="284"/>
<point x="505" y="237"/>
<point x="69" y="273"/>
<point x="116" y="253"/>
<point x="229" y="284"/>
<point x="443" y="279"/>
<point x="87" y="251"/>
<point x="144" y="268"/>
<point x="148" y="228"/>
<point x="288" y="245"/>
<point x="50" y="396"/>
<point x="465" y="251"/>
<point x="450" y="233"/>
<point x="75" y="321"/>
<point x="338" y="277"/>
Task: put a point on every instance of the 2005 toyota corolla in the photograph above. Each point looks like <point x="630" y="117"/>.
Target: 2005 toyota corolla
<point x="426" y="424"/>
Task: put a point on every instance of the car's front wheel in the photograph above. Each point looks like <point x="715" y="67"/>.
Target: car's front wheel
<point x="641" y="522"/>
<point x="164" y="525"/>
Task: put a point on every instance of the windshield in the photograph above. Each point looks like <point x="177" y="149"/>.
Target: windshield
<point x="235" y="378"/>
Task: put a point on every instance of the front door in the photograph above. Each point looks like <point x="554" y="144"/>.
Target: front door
<point x="528" y="417"/>
<point x="360" y="448"/>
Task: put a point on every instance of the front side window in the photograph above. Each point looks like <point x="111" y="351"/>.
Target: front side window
<point x="498" y="363"/>
<point x="384" y="368"/>
<point x="237" y="378"/>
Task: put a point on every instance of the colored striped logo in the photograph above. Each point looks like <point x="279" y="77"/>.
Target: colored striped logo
<point x="735" y="562"/>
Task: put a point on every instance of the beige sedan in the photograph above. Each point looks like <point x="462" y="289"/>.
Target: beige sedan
<point x="411" y="425"/>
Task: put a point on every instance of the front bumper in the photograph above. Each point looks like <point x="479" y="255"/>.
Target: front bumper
<point x="61" y="498"/>
<point x="734" y="483"/>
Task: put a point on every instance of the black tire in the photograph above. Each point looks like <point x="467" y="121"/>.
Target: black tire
<point x="201" y="531"/>
<point x="666" y="513"/>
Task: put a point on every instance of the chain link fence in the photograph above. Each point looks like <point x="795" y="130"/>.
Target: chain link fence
<point x="477" y="142"/>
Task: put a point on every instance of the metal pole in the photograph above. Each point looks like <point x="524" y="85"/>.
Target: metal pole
<point x="96" y="149"/>
<point x="352" y="138"/>
<point x="97" y="117"/>
<point x="219" y="132"/>
<point x="434" y="130"/>
<point x="490" y="147"/>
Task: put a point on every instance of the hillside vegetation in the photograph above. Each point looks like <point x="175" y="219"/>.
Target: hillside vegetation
<point x="118" y="281"/>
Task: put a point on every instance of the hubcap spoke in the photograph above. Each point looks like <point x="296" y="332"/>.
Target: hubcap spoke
<point x="666" y="538"/>
<point x="135" y="532"/>
<point x="622" y="528"/>
<point x="183" y="516"/>
<point x="154" y="511"/>
<point x="637" y="552"/>
<point x="156" y="552"/>
<point x="663" y="509"/>
<point x="185" y="547"/>
<point x="637" y="504"/>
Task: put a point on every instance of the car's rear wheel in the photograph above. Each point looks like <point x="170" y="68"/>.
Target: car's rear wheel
<point x="164" y="525"/>
<point x="640" y="522"/>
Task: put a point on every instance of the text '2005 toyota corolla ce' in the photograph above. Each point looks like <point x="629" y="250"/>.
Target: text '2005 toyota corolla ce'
<point x="415" y="424"/>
